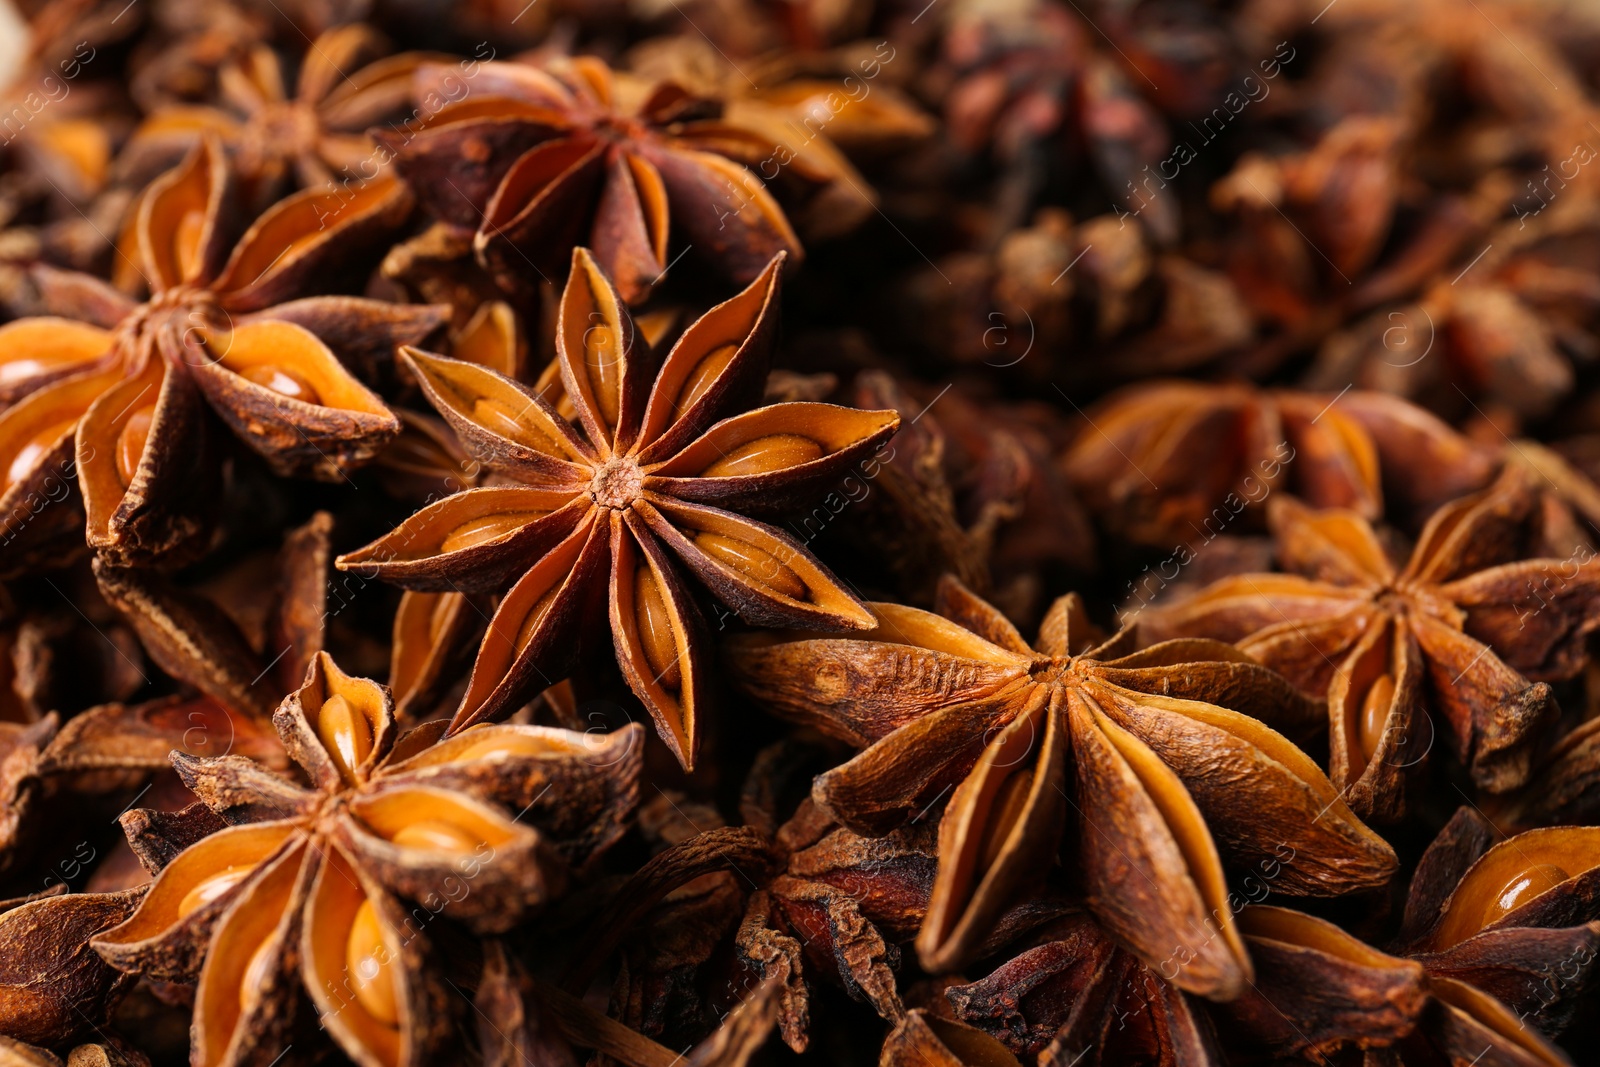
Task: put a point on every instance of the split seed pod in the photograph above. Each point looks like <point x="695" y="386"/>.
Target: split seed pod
<point x="603" y="514"/>
<point x="304" y="890"/>
<point x="1171" y="763"/>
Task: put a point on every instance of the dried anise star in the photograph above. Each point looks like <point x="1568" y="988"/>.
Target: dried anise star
<point x="1460" y="629"/>
<point x="1161" y="747"/>
<point x="315" y="131"/>
<point x="119" y="399"/>
<point x="1074" y="996"/>
<point x="1176" y="460"/>
<point x="588" y="508"/>
<point x="1507" y="931"/>
<point x="536" y="161"/>
<point x="303" y="890"/>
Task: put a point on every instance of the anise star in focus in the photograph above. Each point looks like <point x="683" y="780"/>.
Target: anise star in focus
<point x="1161" y="747"/>
<point x="1460" y="629"/>
<point x="314" y="132"/>
<point x="536" y="162"/>
<point x="304" y="888"/>
<point x="118" y="399"/>
<point x="596" y="508"/>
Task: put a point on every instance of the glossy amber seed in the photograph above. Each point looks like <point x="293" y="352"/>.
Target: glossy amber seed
<point x="282" y="380"/>
<point x="483" y="530"/>
<point x="754" y="563"/>
<point x="531" y="623"/>
<point x="371" y="968"/>
<point x="131" y="441"/>
<point x="435" y="835"/>
<point x="774" y="452"/>
<point x="655" y="629"/>
<point x="186" y="242"/>
<point x="211" y="888"/>
<point x="604" y="363"/>
<point x="255" y="974"/>
<point x="29" y="455"/>
<point x="699" y="380"/>
<point x="345" y="733"/>
<point x="1375" y="713"/>
<point x="500" y="418"/>
<point x="1520" y="889"/>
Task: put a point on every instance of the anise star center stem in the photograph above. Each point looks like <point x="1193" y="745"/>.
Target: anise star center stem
<point x="617" y="484"/>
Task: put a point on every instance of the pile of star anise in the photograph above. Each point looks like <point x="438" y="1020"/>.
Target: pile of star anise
<point x="901" y="532"/>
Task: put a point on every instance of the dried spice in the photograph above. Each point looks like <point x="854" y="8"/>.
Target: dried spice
<point x="575" y="154"/>
<point x="958" y="700"/>
<point x="1295" y="306"/>
<point x="312" y="131"/>
<point x="1075" y="995"/>
<point x="1461" y="630"/>
<point x="593" y="505"/>
<point x="301" y="891"/>
<point x="1163" y="462"/>
<point x="119" y="400"/>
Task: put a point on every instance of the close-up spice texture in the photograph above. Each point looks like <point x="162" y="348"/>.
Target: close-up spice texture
<point x="877" y="533"/>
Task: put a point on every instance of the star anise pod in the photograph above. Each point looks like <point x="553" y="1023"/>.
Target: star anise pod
<point x="119" y="400"/>
<point x="52" y="987"/>
<point x="312" y="130"/>
<point x="1074" y="995"/>
<point x="590" y="508"/>
<point x="1181" y="462"/>
<point x="1514" y="919"/>
<point x="536" y="161"/>
<point x="303" y="889"/>
<point x="1462" y="629"/>
<point x="1162" y="748"/>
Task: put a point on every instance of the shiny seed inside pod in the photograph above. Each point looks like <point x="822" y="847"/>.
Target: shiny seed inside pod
<point x="604" y="363"/>
<point x="531" y="623"/>
<point x="655" y="629"/>
<point x="186" y="243"/>
<point x="371" y="967"/>
<point x="503" y="420"/>
<point x="482" y="530"/>
<point x="282" y="380"/>
<point x="345" y="733"/>
<point x="131" y="441"/>
<point x="754" y="563"/>
<point x="29" y="455"/>
<point x="1519" y="889"/>
<point x="699" y="380"/>
<point x="435" y="835"/>
<point x="209" y="889"/>
<point x="255" y="974"/>
<point x="774" y="452"/>
<point x="1375" y="713"/>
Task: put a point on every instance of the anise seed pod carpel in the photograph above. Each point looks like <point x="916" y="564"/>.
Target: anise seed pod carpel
<point x="594" y="509"/>
<point x="1161" y="462"/>
<point x="303" y="890"/>
<point x="314" y="129"/>
<point x="536" y="161"/>
<point x="1460" y="630"/>
<point x="1074" y="996"/>
<point x="51" y="987"/>
<point x="1171" y="769"/>
<point x="119" y="400"/>
<point x="1518" y="920"/>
